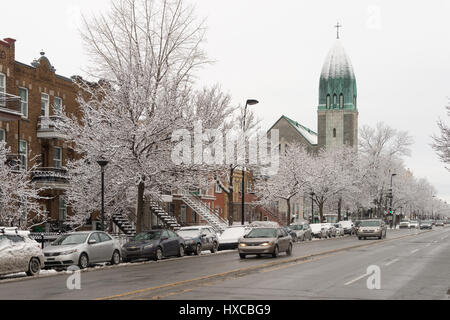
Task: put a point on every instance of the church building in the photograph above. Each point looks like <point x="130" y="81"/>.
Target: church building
<point x="337" y="121"/>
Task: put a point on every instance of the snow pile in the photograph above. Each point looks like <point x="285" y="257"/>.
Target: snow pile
<point x="15" y="256"/>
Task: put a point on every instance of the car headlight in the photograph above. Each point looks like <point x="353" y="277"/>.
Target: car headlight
<point x="266" y="244"/>
<point x="65" y="253"/>
<point x="149" y="246"/>
<point x="242" y="245"/>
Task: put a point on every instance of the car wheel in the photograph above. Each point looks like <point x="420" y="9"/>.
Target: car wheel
<point x="159" y="254"/>
<point x="214" y="248"/>
<point x="181" y="252"/>
<point x="289" y="250"/>
<point x="242" y="256"/>
<point x="275" y="252"/>
<point x="115" y="257"/>
<point x="34" y="267"/>
<point x="198" y="250"/>
<point x="83" y="261"/>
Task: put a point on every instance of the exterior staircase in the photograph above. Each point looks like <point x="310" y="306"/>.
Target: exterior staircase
<point x="207" y="214"/>
<point x="124" y="223"/>
<point x="273" y="216"/>
<point x="156" y="206"/>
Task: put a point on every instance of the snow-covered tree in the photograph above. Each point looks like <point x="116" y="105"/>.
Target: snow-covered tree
<point x="442" y="142"/>
<point x="19" y="197"/>
<point x="146" y="52"/>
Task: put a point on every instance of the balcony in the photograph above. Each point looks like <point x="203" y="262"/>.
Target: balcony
<point x="46" y="128"/>
<point x="9" y="107"/>
<point x="54" y="178"/>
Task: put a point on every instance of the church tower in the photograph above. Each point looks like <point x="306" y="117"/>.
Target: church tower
<point x="337" y="111"/>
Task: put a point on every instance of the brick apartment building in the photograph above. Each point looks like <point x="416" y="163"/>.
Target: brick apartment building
<point x="34" y="95"/>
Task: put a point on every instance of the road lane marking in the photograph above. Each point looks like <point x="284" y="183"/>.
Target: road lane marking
<point x="391" y="262"/>
<point x="253" y="268"/>
<point x="414" y="251"/>
<point x="357" y="279"/>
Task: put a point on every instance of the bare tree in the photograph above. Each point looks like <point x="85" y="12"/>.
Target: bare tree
<point x="442" y="142"/>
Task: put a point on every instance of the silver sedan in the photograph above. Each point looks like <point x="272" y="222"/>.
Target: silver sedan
<point x="82" y="249"/>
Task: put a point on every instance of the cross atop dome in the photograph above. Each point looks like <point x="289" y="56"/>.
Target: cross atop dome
<point x="337" y="26"/>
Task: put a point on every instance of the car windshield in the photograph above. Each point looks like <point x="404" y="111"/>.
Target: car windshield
<point x="405" y="221"/>
<point x="189" y="233"/>
<point x="296" y="227"/>
<point x="369" y="223"/>
<point x="70" y="239"/>
<point x="151" y="235"/>
<point x="262" y="233"/>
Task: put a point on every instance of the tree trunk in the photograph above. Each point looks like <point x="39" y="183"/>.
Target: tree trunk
<point x="339" y="209"/>
<point x="321" y="211"/>
<point x="288" y="215"/>
<point x="230" y="209"/>
<point x="140" y="207"/>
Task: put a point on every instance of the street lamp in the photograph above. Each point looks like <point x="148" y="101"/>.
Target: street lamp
<point x="249" y="102"/>
<point x="312" y="194"/>
<point x="390" y="205"/>
<point x="103" y="163"/>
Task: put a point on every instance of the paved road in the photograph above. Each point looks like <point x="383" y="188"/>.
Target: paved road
<point x="319" y="269"/>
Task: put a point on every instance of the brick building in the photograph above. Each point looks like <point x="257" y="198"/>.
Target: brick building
<point x="35" y="95"/>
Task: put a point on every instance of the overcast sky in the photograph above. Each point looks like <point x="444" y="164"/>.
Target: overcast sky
<point x="273" y="51"/>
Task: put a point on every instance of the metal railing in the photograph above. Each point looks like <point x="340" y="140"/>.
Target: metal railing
<point x="50" y="174"/>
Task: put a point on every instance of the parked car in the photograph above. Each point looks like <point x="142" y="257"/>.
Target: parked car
<point x="292" y="233"/>
<point x="264" y="224"/>
<point x="339" y="229"/>
<point x="414" y="224"/>
<point x="372" y="228"/>
<point x="265" y="241"/>
<point x="439" y="223"/>
<point x="229" y="239"/>
<point x="331" y="230"/>
<point x="426" y="224"/>
<point x="405" y="224"/>
<point x="302" y="230"/>
<point x="348" y="226"/>
<point x="82" y="249"/>
<point x="198" y="239"/>
<point x="318" y="231"/>
<point x="19" y="253"/>
<point x="154" y="244"/>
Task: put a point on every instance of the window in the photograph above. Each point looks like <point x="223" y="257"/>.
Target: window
<point x="328" y="101"/>
<point x="57" y="106"/>
<point x="218" y="188"/>
<point x="194" y="216"/>
<point x="249" y="187"/>
<point x="104" y="237"/>
<point x="334" y="133"/>
<point x="2" y="88"/>
<point x="341" y="101"/>
<point x="23" y="94"/>
<point x="23" y="154"/>
<point x="95" y="236"/>
<point x="57" y="157"/>
<point x="2" y="135"/>
<point x="44" y="104"/>
<point x="334" y="100"/>
<point x="62" y="209"/>
<point x="354" y="101"/>
<point x="183" y="213"/>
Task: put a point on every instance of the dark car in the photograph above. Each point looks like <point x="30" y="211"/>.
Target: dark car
<point x="292" y="233"/>
<point x="426" y="224"/>
<point x="199" y="239"/>
<point x="154" y="244"/>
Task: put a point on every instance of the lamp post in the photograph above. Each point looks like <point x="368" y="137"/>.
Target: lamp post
<point x="248" y="103"/>
<point x="432" y="207"/>
<point x="390" y="204"/>
<point x="103" y="163"/>
<point x="312" y="194"/>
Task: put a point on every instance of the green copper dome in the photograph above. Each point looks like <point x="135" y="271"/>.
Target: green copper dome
<point x="337" y="81"/>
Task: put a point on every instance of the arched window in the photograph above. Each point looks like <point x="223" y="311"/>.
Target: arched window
<point x="354" y="101"/>
<point x="341" y="101"/>
<point x="328" y="101"/>
<point x="334" y="133"/>
<point x="335" y="100"/>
